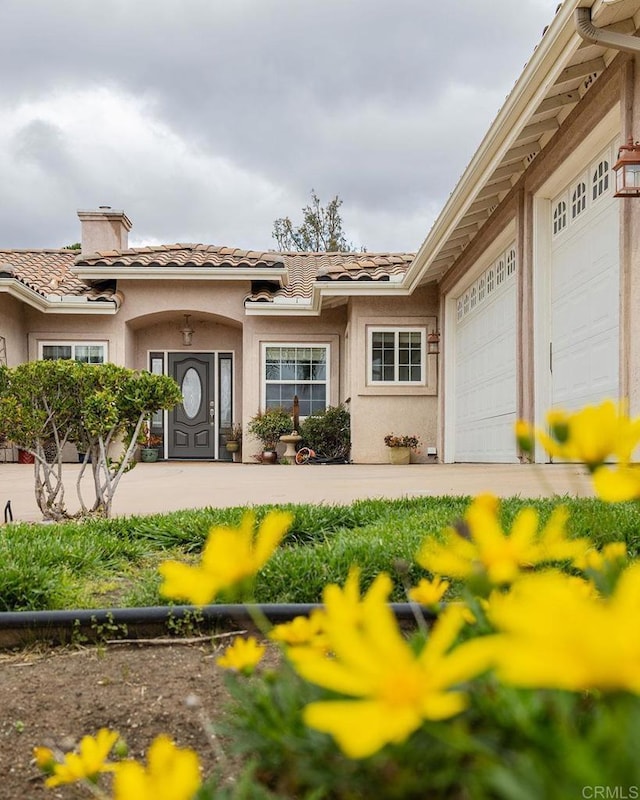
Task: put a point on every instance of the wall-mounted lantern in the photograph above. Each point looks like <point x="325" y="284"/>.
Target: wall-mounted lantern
<point x="433" y="343"/>
<point x="627" y="169"/>
<point x="187" y="331"/>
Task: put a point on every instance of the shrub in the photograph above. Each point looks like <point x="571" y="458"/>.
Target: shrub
<point x="270" y="425"/>
<point x="328" y="432"/>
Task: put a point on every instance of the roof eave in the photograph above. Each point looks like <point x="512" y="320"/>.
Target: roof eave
<point x="56" y="304"/>
<point x="182" y="273"/>
<point x="313" y="306"/>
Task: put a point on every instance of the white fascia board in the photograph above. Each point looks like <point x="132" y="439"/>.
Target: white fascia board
<point x="540" y="73"/>
<point x="183" y="273"/>
<point x="55" y="304"/>
<point x="290" y="306"/>
<point x="269" y="309"/>
<point x="362" y="288"/>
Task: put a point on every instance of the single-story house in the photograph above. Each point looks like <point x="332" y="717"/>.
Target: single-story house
<point x="531" y="275"/>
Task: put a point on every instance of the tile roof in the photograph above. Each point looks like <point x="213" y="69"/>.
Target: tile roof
<point x="181" y="255"/>
<point x="45" y="271"/>
<point x="305" y="269"/>
<point x="48" y="271"/>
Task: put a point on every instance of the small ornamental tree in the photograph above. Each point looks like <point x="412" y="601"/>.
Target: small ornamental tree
<point x="95" y="407"/>
<point x="39" y="408"/>
<point x="115" y="402"/>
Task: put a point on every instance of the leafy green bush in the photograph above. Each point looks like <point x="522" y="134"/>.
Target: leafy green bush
<point x="328" y="432"/>
<point x="270" y="425"/>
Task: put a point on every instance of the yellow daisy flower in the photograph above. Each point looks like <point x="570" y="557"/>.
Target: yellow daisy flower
<point x="230" y="556"/>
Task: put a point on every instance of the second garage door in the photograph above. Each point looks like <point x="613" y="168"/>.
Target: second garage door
<point x="486" y="365"/>
<point x="585" y="289"/>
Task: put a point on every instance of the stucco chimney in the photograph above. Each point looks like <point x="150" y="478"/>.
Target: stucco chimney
<point x="104" y="229"/>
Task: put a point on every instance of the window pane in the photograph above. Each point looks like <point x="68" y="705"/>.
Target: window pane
<point x="52" y="351"/>
<point x="319" y="372"/>
<point x="296" y="370"/>
<point x="319" y="355"/>
<point x="288" y="370"/>
<point x="397" y="356"/>
<point x="272" y="370"/>
<point x="303" y="371"/>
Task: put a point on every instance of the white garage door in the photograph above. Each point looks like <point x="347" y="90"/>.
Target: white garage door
<point x="486" y="365"/>
<point x="585" y="289"/>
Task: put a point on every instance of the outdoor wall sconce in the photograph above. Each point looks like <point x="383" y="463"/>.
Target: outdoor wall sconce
<point x="433" y="343"/>
<point x="187" y="331"/>
<point x="627" y="169"/>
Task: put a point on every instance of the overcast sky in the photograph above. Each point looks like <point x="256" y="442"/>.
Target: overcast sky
<point x="206" y="120"/>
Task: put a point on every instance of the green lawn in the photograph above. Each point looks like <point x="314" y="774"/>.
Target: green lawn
<point x="113" y="563"/>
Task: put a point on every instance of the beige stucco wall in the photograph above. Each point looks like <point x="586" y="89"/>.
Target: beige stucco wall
<point x="13" y="328"/>
<point x="378" y="410"/>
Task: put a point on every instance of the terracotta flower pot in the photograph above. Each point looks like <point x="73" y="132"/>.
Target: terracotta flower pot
<point x="25" y="458"/>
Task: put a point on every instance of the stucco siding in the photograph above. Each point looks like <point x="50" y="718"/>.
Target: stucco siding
<point x="13" y="328"/>
<point x="378" y="410"/>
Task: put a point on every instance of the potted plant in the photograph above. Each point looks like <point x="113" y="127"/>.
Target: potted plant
<point x="150" y="443"/>
<point x="234" y="438"/>
<point x="400" y="447"/>
<point x="269" y="426"/>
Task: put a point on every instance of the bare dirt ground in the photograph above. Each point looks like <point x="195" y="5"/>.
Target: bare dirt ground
<point x="54" y="696"/>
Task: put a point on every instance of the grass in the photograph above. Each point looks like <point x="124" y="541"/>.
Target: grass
<point x="111" y="563"/>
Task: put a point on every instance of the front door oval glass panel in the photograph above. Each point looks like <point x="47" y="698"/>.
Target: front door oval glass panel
<point x="191" y="393"/>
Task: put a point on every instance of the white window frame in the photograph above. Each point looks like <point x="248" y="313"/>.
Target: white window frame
<point x="326" y="346"/>
<point x="73" y="343"/>
<point x="396" y="330"/>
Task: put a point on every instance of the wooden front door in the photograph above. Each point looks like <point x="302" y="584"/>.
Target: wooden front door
<point x="192" y="423"/>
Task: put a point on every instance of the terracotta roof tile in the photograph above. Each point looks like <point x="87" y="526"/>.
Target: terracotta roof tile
<point x="181" y="255"/>
<point x="305" y="269"/>
<point x="44" y="271"/>
<point x="49" y="271"/>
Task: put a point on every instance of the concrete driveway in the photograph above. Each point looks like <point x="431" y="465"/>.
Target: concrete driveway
<point x="170" y="486"/>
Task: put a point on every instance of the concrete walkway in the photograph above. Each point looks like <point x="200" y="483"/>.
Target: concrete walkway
<point x="170" y="486"/>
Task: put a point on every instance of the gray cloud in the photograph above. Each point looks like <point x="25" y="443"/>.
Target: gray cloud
<point x="379" y="101"/>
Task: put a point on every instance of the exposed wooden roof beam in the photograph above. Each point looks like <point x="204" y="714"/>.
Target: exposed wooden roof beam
<point x="503" y="186"/>
<point x="487" y="202"/>
<point x="580" y="70"/>
<point x="479" y="216"/>
<point x="538" y="128"/>
<point x="558" y="101"/>
<point x="518" y="153"/>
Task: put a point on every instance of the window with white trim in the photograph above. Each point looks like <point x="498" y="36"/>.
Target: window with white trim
<point x="578" y="200"/>
<point x="84" y="352"/>
<point x="296" y="369"/>
<point x="559" y="217"/>
<point x="600" y="179"/>
<point x="397" y="355"/>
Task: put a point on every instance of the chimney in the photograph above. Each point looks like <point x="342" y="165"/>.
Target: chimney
<point x="104" y="229"/>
